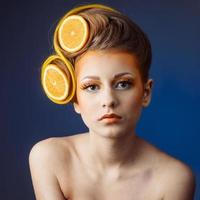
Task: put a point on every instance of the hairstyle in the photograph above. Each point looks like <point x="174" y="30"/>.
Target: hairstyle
<point x="107" y="29"/>
<point x="113" y="30"/>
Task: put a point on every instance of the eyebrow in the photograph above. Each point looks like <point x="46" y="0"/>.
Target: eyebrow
<point x="122" y="74"/>
<point x="115" y="76"/>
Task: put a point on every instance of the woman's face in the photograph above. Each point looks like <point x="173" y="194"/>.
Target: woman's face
<point x="109" y="82"/>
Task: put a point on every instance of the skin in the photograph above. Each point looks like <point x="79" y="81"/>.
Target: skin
<point x="109" y="161"/>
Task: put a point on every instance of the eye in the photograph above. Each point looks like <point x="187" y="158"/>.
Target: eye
<point x="90" y="87"/>
<point x="121" y="85"/>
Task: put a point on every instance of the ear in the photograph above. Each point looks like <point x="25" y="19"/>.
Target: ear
<point x="76" y="107"/>
<point x="147" y="93"/>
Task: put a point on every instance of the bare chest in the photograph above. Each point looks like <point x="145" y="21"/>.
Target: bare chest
<point x="86" y="185"/>
<point x="117" y="191"/>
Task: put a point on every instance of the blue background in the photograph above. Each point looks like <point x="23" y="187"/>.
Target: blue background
<point x="27" y="116"/>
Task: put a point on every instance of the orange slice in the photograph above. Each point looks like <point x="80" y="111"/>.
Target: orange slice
<point x="55" y="83"/>
<point x="73" y="33"/>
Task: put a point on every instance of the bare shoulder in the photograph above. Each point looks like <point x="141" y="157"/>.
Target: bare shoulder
<point x="54" y="150"/>
<point x="49" y="149"/>
<point x="177" y="180"/>
<point x="49" y="161"/>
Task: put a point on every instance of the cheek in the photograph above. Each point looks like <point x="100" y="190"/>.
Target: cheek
<point x="83" y="100"/>
<point x="132" y="105"/>
<point x="86" y="105"/>
<point x="133" y="99"/>
<point x="87" y="112"/>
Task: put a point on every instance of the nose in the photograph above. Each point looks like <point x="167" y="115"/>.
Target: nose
<point x="109" y="98"/>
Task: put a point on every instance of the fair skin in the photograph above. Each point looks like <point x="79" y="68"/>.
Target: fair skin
<point x="109" y="161"/>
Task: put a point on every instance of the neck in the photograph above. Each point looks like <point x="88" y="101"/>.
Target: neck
<point x="108" y="153"/>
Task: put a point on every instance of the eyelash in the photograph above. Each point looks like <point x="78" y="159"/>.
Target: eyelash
<point x="87" y="85"/>
<point x="127" y="81"/>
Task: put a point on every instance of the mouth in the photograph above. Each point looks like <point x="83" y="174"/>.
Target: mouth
<point x="110" y="117"/>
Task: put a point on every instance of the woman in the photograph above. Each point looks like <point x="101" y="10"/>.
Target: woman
<point x="109" y="88"/>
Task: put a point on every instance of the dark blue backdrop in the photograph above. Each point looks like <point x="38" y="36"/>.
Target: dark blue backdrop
<point x="27" y="116"/>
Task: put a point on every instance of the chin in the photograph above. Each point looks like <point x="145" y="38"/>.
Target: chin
<point x="110" y="132"/>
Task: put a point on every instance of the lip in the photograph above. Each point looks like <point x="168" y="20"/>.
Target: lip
<point x="110" y="117"/>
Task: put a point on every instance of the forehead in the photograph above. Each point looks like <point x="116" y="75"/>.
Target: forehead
<point x="106" y="62"/>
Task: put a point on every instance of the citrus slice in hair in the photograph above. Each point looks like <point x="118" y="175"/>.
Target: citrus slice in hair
<point x="55" y="83"/>
<point x="73" y="33"/>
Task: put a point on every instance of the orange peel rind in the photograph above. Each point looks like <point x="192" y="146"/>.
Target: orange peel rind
<point x="71" y="35"/>
<point x="56" y="82"/>
<point x="59" y="44"/>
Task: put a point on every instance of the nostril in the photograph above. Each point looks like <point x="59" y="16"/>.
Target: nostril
<point x="109" y="102"/>
<point x="108" y="98"/>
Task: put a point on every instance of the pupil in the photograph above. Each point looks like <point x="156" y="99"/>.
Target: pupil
<point x="93" y="87"/>
<point x="123" y="84"/>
